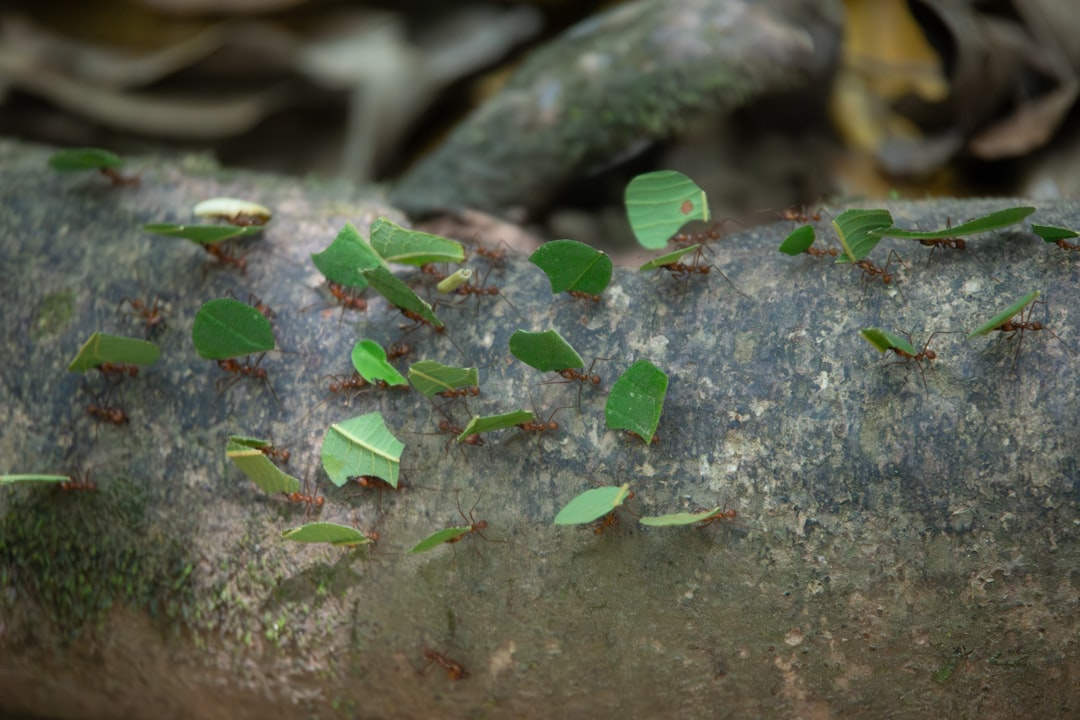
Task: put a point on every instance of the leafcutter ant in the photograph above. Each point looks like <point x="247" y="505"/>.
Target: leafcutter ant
<point x="398" y="351"/>
<point x="696" y="267"/>
<point x="476" y="527"/>
<point x="952" y="243"/>
<point x="541" y="428"/>
<point x="799" y="215"/>
<point x="347" y="298"/>
<point x="149" y="312"/>
<point x="924" y="355"/>
<point x="871" y="271"/>
<point x="610" y="519"/>
<point x="118" y="370"/>
<point x="310" y="498"/>
<point x="75" y="483"/>
<point x="496" y="255"/>
<point x="225" y="256"/>
<point x="454" y="669"/>
<point x="275" y="453"/>
<point x="571" y="375"/>
<point x="242" y="370"/>
<point x="114" y="415"/>
<point x="1025" y="324"/>
<point x="635" y="436"/>
<point x="483" y="289"/>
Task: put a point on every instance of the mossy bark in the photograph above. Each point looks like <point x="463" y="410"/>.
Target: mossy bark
<point x="898" y="550"/>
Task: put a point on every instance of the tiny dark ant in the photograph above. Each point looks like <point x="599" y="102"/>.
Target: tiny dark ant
<point x="149" y="312"/>
<point x="454" y="669"/>
<point x="242" y="370"/>
<point x="114" y="415"/>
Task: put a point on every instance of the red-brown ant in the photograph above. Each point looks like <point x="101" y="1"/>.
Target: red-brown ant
<point x="610" y="519"/>
<point x="311" y="498"/>
<point x="871" y="271"/>
<point x="725" y="514"/>
<point x="245" y="369"/>
<point x="75" y="483"/>
<point x="432" y="270"/>
<point x="696" y="267"/>
<point x="799" y="215"/>
<point x="541" y="428"/>
<point x="475" y="526"/>
<point x="581" y="295"/>
<point x="398" y="351"/>
<point x="469" y="391"/>
<point x="454" y="669"/>
<point x="571" y="375"/>
<point x="113" y="415"/>
<point x="118" y="370"/>
<point x="348" y="298"/>
<point x="1066" y="245"/>
<point x="149" y="312"/>
<point x="821" y="252"/>
<point x="280" y="454"/>
<point x="225" y="257"/>
<point x="497" y="256"/>
<point x="1025" y="324"/>
<point x="634" y="435"/>
<point x="924" y="355"/>
<point x="482" y="290"/>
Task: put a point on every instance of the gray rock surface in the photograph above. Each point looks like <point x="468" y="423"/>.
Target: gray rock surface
<point x="899" y="551"/>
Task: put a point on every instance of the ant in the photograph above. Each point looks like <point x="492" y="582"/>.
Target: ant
<point x="149" y="312"/>
<point x="454" y="669"/>
<point x="275" y="453"/>
<point x="476" y="527"/>
<point x="1066" y="245"/>
<point x="570" y="375"/>
<point x="582" y="295"/>
<point x="118" y="179"/>
<point x="701" y="236"/>
<point x="1023" y="325"/>
<point x="419" y="321"/>
<point x="468" y="289"/>
<point x="540" y="428"/>
<point x="118" y="370"/>
<point x="634" y="435"/>
<point x="75" y="483"/>
<point x="468" y="391"/>
<point x="225" y="257"/>
<point x="371" y="482"/>
<point x="312" y="499"/>
<point x="725" y="514"/>
<point x="953" y="243"/>
<point x="799" y="215"/>
<point x="398" y="351"/>
<point x="433" y="270"/>
<point x="448" y="427"/>
<point x="497" y="256"/>
<point x="114" y="415"/>
<point x="924" y="355"/>
<point x="247" y="369"/>
<point x="821" y="252"/>
<point x="344" y="385"/>
<point x="348" y="298"/>
<point x="610" y="519"/>
<point x="696" y="267"/>
<point x="870" y="270"/>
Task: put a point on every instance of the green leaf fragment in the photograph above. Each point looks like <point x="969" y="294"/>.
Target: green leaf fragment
<point x="13" y="479"/>
<point x="439" y="537"/>
<point x="667" y="259"/>
<point x="993" y="221"/>
<point x="491" y="423"/>
<point x="361" y="446"/>
<point x="854" y="229"/>
<point x="659" y="203"/>
<point x="431" y="378"/>
<point x="345" y="259"/>
<point x="203" y="234"/>
<point x="682" y="518"/>
<point x="369" y="359"/>
<point x="326" y="532"/>
<point x="399" y="294"/>
<point x="799" y="241"/>
<point x="84" y="159"/>
<point x="884" y="340"/>
<point x="455" y="280"/>
<point x="105" y="348"/>
<point x="246" y="455"/>
<point x="571" y="265"/>
<point x="229" y="209"/>
<point x="411" y="247"/>
<point x="546" y="351"/>
<point x="1004" y="316"/>
<point x="592" y="504"/>
<point x="226" y="328"/>
<point x="1053" y="233"/>
<point x="637" y="399"/>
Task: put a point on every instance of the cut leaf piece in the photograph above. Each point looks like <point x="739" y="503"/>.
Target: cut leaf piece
<point x="592" y="504"/>
<point x="682" y="518"/>
<point x="326" y="532"/>
<point x="495" y="422"/>
<point x="394" y="243"/>
<point x="637" y="399"/>
<point x="431" y="378"/>
<point x="799" y="241"/>
<point x="361" y="446"/>
<point x="546" y="351"/>
<point x="452" y="282"/>
<point x="571" y="265"/>
<point x="226" y="328"/>
<point x="399" y="294"/>
<point x="247" y="456"/>
<point x="234" y="211"/>
<point x="440" y="537"/>
<point x="884" y="340"/>
<point x="659" y="203"/>
<point x="669" y="258"/>
<point x="369" y="359"/>
<point x="1004" y="316"/>
<point x="84" y="159"/>
<point x="854" y="230"/>
<point x="993" y="221"/>
<point x="345" y="259"/>
<point x="13" y="479"/>
<point x="105" y="348"/>
<point x="1053" y="233"/>
<point x="203" y="234"/>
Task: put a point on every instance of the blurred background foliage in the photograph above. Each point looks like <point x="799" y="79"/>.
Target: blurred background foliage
<point x="922" y="97"/>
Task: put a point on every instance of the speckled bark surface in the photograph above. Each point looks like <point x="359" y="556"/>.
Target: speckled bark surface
<point x="885" y="533"/>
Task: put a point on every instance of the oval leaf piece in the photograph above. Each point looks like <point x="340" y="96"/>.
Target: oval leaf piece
<point x="546" y="351"/>
<point x="246" y="455"/>
<point x="799" y="241"/>
<point x="345" y="259"/>
<point x="854" y="229"/>
<point x="636" y="400"/>
<point x="659" y="203"/>
<point x="495" y="422"/>
<point x="1053" y="233"/>
<point x="361" y="446"/>
<point x="369" y="359"/>
<point x="84" y="159"/>
<point x="1004" y="316"/>
<point x="571" y="265"/>
<point x="592" y="504"/>
<point x="432" y="378"/>
<point x="203" y="234"/>
<point x="412" y="247"/>
<point x="105" y="348"/>
<point x="884" y="340"/>
<point x="439" y="537"/>
<point x="326" y="532"/>
<point x="226" y="328"/>
<point x="993" y="221"/>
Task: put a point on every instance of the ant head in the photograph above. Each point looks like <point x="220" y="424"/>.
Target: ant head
<point x="481" y="525"/>
<point x="929" y="354"/>
<point x="595" y="379"/>
<point x="552" y="425"/>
